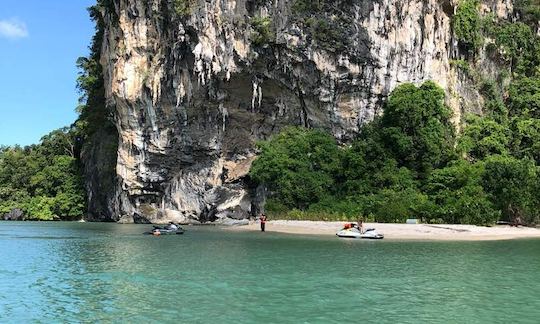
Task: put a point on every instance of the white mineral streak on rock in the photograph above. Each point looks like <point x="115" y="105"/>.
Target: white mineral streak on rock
<point x="224" y="115"/>
<point x="260" y="96"/>
<point x="324" y="62"/>
<point x="256" y="96"/>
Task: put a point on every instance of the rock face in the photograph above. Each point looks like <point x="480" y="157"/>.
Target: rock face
<point x="194" y="84"/>
<point x="14" y="215"/>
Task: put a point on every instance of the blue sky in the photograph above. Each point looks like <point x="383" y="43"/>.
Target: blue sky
<point x="40" y="41"/>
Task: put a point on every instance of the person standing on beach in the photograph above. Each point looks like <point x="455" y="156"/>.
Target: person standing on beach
<point x="360" y="225"/>
<point x="263" y="221"/>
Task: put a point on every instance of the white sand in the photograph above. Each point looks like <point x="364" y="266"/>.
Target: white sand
<point x="402" y="231"/>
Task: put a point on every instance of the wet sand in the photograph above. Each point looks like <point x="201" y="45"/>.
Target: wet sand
<point x="401" y="231"/>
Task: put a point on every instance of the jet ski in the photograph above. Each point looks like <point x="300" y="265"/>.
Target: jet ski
<point x="165" y="231"/>
<point x="354" y="232"/>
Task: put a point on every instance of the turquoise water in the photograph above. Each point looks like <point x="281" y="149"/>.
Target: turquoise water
<point x="80" y="272"/>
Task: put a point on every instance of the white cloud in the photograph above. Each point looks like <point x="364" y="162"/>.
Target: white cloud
<point x="13" y="28"/>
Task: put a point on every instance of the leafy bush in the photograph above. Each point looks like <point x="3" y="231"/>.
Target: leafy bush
<point x="40" y="208"/>
<point x="467" y="25"/>
<point x="462" y="65"/>
<point x="326" y="22"/>
<point x="391" y="206"/>
<point x="298" y="166"/>
<point x="183" y="7"/>
<point x="483" y="137"/>
<point x="416" y="127"/>
<point x="520" y="46"/>
<point x="458" y="195"/>
<point x="524" y="97"/>
<point x="262" y="33"/>
<point x="526" y="138"/>
<point x="329" y="33"/>
<point x="341" y="209"/>
<point x="512" y="185"/>
<point x="529" y="10"/>
<point x="306" y="6"/>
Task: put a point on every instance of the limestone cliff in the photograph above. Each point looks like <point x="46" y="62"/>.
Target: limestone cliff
<point x="195" y="83"/>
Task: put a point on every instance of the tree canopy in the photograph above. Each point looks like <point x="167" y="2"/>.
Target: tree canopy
<point x="43" y="180"/>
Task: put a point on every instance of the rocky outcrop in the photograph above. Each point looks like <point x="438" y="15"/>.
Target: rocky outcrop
<point x="14" y="215"/>
<point x="99" y="156"/>
<point x="194" y="84"/>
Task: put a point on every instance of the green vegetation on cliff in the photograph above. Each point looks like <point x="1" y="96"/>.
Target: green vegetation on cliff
<point x="467" y="25"/>
<point x="528" y="11"/>
<point x="98" y="134"/>
<point x="183" y="7"/>
<point x="326" y="22"/>
<point x="93" y="112"/>
<point x="262" y="31"/>
<point x="407" y="163"/>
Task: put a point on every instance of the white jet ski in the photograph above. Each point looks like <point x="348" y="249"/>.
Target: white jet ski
<point x="370" y="233"/>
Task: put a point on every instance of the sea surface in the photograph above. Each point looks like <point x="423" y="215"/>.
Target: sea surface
<point x="88" y="272"/>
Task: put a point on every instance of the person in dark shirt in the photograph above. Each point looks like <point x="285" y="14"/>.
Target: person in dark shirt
<point x="263" y="222"/>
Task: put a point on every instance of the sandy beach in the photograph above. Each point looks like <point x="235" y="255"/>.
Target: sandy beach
<point x="402" y="231"/>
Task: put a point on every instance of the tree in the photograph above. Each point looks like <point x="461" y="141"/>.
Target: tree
<point x="511" y="184"/>
<point x="298" y="166"/>
<point x="467" y="25"/>
<point x="520" y="46"/>
<point x="369" y="166"/>
<point x="43" y="180"/>
<point x="59" y="142"/>
<point x="526" y="138"/>
<point x="483" y="137"/>
<point x="458" y="195"/>
<point x="416" y="127"/>
<point x="524" y="97"/>
<point x="40" y="208"/>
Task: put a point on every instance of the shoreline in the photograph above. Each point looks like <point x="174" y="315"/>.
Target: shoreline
<point x="391" y="231"/>
<point x="431" y="232"/>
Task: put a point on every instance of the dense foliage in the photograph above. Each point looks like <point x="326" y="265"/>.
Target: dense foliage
<point x="183" y="7"/>
<point x="95" y="127"/>
<point x="416" y="127"/>
<point x="406" y="164"/>
<point x="298" y="166"/>
<point x="262" y="32"/>
<point x="467" y="25"/>
<point x="528" y="11"/>
<point x="43" y="180"/>
<point x="93" y="112"/>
